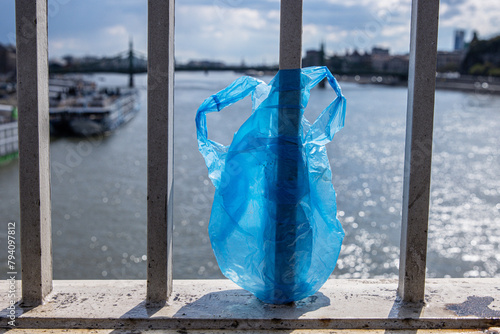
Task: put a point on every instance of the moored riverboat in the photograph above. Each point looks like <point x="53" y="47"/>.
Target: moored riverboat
<point x="79" y="108"/>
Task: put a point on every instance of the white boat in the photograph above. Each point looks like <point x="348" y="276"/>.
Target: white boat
<point x="79" y="108"/>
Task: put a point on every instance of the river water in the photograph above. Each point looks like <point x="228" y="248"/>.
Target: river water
<point x="99" y="186"/>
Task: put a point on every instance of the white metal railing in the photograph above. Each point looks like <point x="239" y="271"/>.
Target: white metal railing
<point x="8" y="138"/>
<point x="34" y="169"/>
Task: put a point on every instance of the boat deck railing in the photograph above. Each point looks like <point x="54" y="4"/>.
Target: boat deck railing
<point x="8" y="138"/>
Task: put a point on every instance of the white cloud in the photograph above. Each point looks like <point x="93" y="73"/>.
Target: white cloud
<point x="273" y="15"/>
<point x="310" y="31"/>
<point x="483" y="16"/>
<point x="222" y="17"/>
<point x="61" y="45"/>
<point x="373" y="4"/>
<point x="397" y="31"/>
<point x="111" y="40"/>
<point x="118" y="30"/>
<point x="226" y="33"/>
<point x="231" y="30"/>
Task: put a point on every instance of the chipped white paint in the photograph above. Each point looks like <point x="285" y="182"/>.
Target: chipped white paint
<point x="216" y="304"/>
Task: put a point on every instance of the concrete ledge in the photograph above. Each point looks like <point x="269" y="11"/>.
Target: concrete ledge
<point x="220" y="331"/>
<point x="219" y="304"/>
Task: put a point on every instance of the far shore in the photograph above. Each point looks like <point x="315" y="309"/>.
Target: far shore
<point x="481" y="85"/>
<point x="470" y="84"/>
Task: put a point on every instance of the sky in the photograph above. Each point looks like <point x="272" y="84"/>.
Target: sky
<point x="248" y="30"/>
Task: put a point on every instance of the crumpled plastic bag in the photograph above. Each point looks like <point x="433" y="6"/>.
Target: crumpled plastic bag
<point x="273" y="226"/>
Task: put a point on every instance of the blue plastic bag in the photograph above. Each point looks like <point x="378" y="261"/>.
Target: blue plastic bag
<point x="273" y="226"/>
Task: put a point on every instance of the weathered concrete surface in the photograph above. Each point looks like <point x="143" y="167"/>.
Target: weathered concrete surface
<point x="418" y="150"/>
<point x="290" y="34"/>
<point x="34" y="157"/>
<point x="301" y="331"/>
<point x="160" y="148"/>
<point x="219" y="304"/>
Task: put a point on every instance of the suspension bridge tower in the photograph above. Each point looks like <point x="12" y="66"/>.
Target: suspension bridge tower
<point x="131" y="64"/>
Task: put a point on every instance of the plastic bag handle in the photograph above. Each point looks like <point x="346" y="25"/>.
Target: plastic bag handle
<point x="318" y="73"/>
<point x="212" y="150"/>
<point x="238" y="90"/>
<point x="332" y="118"/>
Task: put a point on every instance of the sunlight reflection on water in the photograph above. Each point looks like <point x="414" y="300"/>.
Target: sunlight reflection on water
<point x="99" y="205"/>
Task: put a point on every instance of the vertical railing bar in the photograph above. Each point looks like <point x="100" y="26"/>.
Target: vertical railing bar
<point x="290" y="34"/>
<point x="290" y="58"/>
<point x="418" y="151"/>
<point x="160" y="148"/>
<point x="34" y="158"/>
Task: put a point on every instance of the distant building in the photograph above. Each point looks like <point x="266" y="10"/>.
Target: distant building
<point x="398" y="64"/>
<point x="312" y="58"/>
<point x="383" y="62"/>
<point x="380" y="57"/>
<point x="378" y="61"/>
<point x="380" y="51"/>
<point x="357" y="62"/>
<point x="483" y="57"/>
<point x="7" y="59"/>
<point x="459" y="40"/>
<point x="315" y="57"/>
<point x="69" y="60"/>
<point x="449" y="61"/>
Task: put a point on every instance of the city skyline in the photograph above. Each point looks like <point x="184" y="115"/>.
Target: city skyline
<point x="235" y="30"/>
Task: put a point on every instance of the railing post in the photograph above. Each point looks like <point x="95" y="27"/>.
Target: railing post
<point x="34" y="169"/>
<point x="290" y="34"/>
<point x="418" y="151"/>
<point x="160" y="148"/>
<point x="289" y="151"/>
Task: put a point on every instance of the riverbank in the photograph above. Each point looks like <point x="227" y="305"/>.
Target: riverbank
<point x="471" y="84"/>
<point x="444" y="81"/>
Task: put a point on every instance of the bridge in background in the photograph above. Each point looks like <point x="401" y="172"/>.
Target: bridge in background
<point x="133" y="62"/>
<point x="129" y="62"/>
